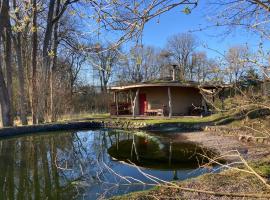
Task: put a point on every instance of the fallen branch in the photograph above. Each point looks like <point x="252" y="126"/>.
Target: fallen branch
<point x="175" y="186"/>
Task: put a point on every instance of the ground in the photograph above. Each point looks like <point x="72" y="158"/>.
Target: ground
<point x="226" y="182"/>
<point x="224" y="143"/>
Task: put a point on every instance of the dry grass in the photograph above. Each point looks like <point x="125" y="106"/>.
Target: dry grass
<point x="229" y="181"/>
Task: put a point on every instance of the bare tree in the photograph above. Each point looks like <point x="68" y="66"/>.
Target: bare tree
<point x="200" y="65"/>
<point x="104" y="60"/>
<point x="252" y="15"/>
<point x="54" y="14"/>
<point x="17" y="40"/>
<point x="6" y="87"/>
<point x="34" y="97"/>
<point x="140" y="64"/>
<point x="130" y="17"/>
<point x="237" y="57"/>
<point x="181" y="46"/>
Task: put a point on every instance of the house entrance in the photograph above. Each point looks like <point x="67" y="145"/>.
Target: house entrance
<point x="142" y="103"/>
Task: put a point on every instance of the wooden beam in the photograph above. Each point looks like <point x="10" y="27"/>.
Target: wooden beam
<point x="131" y="99"/>
<point x="116" y="101"/>
<point x="170" y="102"/>
<point x="134" y="102"/>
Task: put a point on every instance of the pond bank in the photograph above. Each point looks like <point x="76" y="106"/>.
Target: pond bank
<point x="222" y="144"/>
<point x="101" y="123"/>
<point x="40" y="128"/>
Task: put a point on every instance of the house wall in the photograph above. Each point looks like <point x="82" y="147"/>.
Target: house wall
<point x="182" y="99"/>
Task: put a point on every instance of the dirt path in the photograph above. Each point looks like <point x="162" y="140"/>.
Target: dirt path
<point x="223" y="144"/>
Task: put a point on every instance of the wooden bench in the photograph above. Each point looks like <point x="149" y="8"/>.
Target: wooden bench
<point x="154" y="112"/>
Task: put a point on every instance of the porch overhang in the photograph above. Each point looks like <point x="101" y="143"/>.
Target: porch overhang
<point x="171" y="84"/>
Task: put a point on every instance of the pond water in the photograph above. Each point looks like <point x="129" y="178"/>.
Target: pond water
<point x="92" y="164"/>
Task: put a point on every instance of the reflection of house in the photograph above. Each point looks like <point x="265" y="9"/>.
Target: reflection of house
<point x="161" y="98"/>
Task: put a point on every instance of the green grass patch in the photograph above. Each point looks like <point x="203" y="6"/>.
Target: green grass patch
<point x="84" y="116"/>
<point x="262" y="167"/>
<point x="178" y="119"/>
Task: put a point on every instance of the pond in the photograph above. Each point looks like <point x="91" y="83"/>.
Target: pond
<point x="92" y="164"/>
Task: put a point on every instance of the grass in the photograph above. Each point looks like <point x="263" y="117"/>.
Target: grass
<point x="145" y="120"/>
<point x="84" y="116"/>
<point x="262" y="167"/>
<point x="179" y="119"/>
<point x="184" y="119"/>
<point x="68" y="118"/>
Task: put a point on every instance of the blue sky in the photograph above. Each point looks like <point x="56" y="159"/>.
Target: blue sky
<point x="158" y="30"/>
<point x="175" y="21"/>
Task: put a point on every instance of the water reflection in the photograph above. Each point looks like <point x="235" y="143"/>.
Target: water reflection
<point x="148" y="151"/>
<point x="77" y="164"/>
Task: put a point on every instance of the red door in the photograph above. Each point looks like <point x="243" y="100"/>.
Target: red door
<point x="142" y="103"/>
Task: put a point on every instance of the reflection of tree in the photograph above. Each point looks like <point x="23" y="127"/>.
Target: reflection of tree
<point x="53" y="166"/>
<point x="134" y="149"/>
<point x="27" y="168"/>
<point x="60" y="166"/>
<point x="175" y="176"/>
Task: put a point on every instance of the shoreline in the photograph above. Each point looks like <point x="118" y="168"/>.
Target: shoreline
<point x="101" y="123"/>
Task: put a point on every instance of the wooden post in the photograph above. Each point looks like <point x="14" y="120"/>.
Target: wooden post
<point x="170" y="102"/>
<point x="116" y="101"/>
<point x="131" y="100"/>
<point x="204" y="105"/>
<point x="134" y="102"/>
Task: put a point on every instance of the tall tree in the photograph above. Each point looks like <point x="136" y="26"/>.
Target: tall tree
<point x="6" y="87"/>
<point x="104" y="60"/>
<point x="54" y="63"/>
<point x="34" y="96"/>
<point x="237" y="59"/>
<point x="140" y="64"/>
<point x="181" y="47"/>
<point x="52" y="19"/>
<point x="18" y="46"/>
<point x="201" y="66"/>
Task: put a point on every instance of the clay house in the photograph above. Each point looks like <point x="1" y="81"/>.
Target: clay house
<point x="163" y="98"/>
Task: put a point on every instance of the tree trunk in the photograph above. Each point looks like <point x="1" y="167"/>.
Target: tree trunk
<point x="54" y="63"/>
<point x="6" y="90"/>
<point x="34" y="65"/>
<point x="135" y="102"/>
<point x="8" y="53"/>
<point x="21" y="80"/>
<point x="4" y="101"/>
<point x="43" y="89"/>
